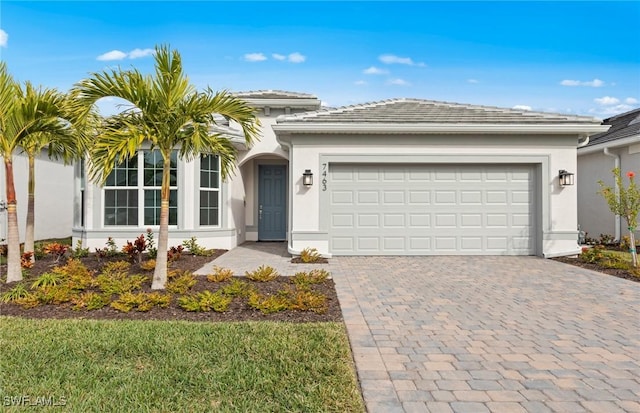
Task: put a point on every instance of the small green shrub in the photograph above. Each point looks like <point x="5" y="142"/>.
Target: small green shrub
<point x="116" y="268"/>
<point x="237" y="288"/>
<point x="76" y="275"/>
<point x="119" y="283"/>
<point x="192" y="246"/>
<point x="47" y="279"/>
<point x="219" y="274"/>
<point x="592" y="255"/>
<point x="18" y="291"/>
<point x="305" y="279"/>
<point x="268" y="304"/>
<point x="79" y="252"/>
<point x="29" y="301"/>
<point x="181" y="283"/>
<point x="142" y="302"/>
<point x="262" y="274"/>
<point x="205" y="301"/>
<point x="90" y="301"/>
<point x="55" y="294"/>
<point x="310" y="255"/>
<point x="148" y="265"/>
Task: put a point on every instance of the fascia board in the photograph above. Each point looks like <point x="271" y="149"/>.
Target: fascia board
<point x="446" y="128"/>
<point x="610" y="144"/>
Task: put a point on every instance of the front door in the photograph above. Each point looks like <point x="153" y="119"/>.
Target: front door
<point x="272" y="200"/>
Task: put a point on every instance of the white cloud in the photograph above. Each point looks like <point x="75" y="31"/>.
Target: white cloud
<point x="255" y="57"/>
<point x="611" y="110"/>
<point x="375" y="71"/>
<point x="297" y="58"/>
<point x="278" y="56"/>
<point x="393" y="59"/>
<point x="607" y="101"/>
<point x="590" y="83"/>
<point x="631" y="101"/>
<point x="522" y="107"/>
<point x="112" y="55"/>
<point x="472" y="81"/>
<point x="4" y="38"/>
<point x="137" y="53"/>
<point x="398" y="82"/>
<point x="359" y="83"/>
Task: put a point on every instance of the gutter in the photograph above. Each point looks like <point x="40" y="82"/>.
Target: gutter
<point x="616" y="163"/>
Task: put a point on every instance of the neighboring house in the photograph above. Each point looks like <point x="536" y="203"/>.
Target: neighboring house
<point x="617" y="147"/>
<point x="396" y="177"/>
<point x="54" y="197"/>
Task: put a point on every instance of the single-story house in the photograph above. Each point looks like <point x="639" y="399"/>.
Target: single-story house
<point x="394" y="177"/>
<point x="619" y="147"/>
<point x="54" y="197"/>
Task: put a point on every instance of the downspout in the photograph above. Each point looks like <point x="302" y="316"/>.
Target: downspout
<point x="290" y="196"/>
<point x="617" y="192"/>
<point x="584" y="143"/>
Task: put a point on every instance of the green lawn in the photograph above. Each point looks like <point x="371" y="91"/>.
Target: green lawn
<point x="154" y="366"/>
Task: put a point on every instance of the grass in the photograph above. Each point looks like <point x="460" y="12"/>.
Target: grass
<point x="157" y="366"/>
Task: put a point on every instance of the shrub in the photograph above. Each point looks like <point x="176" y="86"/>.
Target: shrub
<point x="28" y="301"/>
<point x="606" y="239"/>
<point x="237" y="288"/>
<point x="134" y="250"/>
<point x="47" y="279"/>
<point x="152" y="251"/>
<point x="25" y="260"/>
<point x="112" y="248"/>
<point x="175" y="253"/>
<point x="592" y="255"/>
<point x="115" y="279"/>
<point x="206" y="301"/>
<point x="219" y="274"/>
<point x="76" y="274"/>
<point x="262" y="274"/>
<point x="148" y="265"/>
<point x="195" y="249"/>
<point x="310" y="255"/>
<point x="55" y="294"/>
<point x="56" y="250"/>
<point x="18" y="291"/>
<point x="182" y="283"/>
<point x="141" y="301"/>
<point x="90" y="301"/>
<point x="305" y="300"/>
<point x="268" y="304"/>
<point x="305" y="279"/>
<point x="79" y="252"/>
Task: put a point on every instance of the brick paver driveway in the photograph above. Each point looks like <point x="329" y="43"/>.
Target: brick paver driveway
<point x="490" y="334"/>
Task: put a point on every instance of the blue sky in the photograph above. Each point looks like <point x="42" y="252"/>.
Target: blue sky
<point x="573" y="57"/>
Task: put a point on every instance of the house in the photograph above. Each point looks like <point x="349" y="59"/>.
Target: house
<point x="619" y="147"/>
<point x="54" y="197"/>
<point x="395" y="177"/>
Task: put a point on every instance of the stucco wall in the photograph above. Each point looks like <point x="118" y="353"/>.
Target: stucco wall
<point x="558" y="225"/>
<point x="54" y="197"/>
<point x="594" y="215"/>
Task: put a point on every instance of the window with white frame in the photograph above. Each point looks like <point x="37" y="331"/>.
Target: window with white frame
<point x="132" y="191"/>
<point x="209" y="190"/>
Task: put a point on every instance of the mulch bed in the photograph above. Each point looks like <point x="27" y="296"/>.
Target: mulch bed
<point x="238" y="310"/>
<point x="595" y="267"/>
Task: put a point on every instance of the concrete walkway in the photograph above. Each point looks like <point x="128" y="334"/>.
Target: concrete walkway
<point x="486" y="334"/>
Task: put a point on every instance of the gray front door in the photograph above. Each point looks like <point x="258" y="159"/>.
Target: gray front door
<point x="272" y="200"/>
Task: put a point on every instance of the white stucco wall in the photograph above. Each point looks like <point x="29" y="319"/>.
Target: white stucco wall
<point x="54" y="197"/>
<point x="558" y="226"/>
<point x="594" y="215"/>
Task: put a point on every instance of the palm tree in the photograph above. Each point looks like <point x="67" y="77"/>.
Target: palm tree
<point x="23" y="113"/>
<point x="169" y="114"/>
<point x="67" y="143"/>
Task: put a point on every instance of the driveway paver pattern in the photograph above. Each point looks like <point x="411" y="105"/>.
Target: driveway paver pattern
<point x="481" y="334"/>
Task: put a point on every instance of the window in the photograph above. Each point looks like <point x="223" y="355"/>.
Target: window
<point x="209" y="190"/>
<point x="127" y="202"/>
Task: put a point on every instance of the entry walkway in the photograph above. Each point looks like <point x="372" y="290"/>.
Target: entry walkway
<point x="485" y="334"/>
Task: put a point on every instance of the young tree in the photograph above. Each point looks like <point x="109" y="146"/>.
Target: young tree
<point x="625" y="202"/>
<point x="169" y="114"/>
<point x="23" y="112"/>
<point x="67" y="142"/>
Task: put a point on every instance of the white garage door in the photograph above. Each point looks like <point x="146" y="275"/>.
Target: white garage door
<point x="418" y="209"/>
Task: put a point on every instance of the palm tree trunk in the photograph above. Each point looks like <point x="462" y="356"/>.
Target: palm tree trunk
<point x="29" y="235"/>
<point x="160" y="273"/>
<point x="14" y="271"/>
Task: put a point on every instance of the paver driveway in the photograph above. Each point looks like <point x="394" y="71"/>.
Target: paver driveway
<point x="490" y="334"/>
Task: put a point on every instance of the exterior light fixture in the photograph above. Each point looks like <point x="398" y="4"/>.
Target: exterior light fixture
<point x="565" y="178"/>
<point x="307" y="178"/>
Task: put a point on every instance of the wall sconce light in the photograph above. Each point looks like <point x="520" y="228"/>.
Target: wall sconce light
<point x="566" y="178"/>
<point x="307" y="178"/>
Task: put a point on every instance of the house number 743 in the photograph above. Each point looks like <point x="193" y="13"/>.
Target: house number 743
<point x="324" y="176"/>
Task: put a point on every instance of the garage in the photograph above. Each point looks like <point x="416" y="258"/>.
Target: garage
<point x="431" y="209"/>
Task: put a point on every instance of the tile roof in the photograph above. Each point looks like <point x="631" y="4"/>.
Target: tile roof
<point x="408" y="110"/>
<point x="624" y="125"/>
<point x="273" y="94"/>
